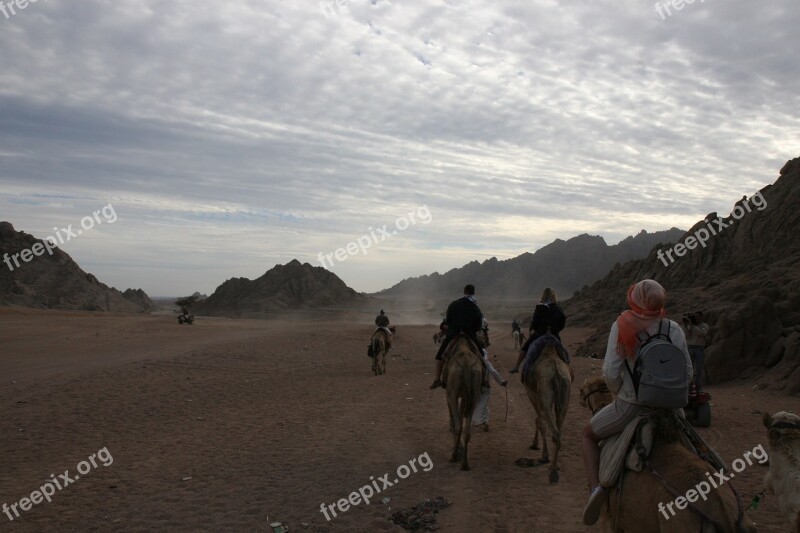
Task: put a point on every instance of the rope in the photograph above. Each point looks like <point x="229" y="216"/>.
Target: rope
<point x="506" y="418"/>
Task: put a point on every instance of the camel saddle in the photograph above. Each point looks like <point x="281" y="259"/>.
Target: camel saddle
<point x="631" y="448"/>
<point x="628" y="450"/>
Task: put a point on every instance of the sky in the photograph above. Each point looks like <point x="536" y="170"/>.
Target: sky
<point x="210" y="140"/>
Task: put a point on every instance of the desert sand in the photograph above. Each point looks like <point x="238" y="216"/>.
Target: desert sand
<point x="228" y="425"/>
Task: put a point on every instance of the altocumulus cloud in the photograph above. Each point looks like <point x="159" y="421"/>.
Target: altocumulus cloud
<point x="232" y="136"/>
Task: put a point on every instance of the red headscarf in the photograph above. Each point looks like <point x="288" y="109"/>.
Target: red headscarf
<point x="646" y="301"/>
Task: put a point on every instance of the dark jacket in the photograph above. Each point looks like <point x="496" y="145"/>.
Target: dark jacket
<point x="463" y="316"/>
<point x="547" y="315"/>
<point x="382" y="321"/>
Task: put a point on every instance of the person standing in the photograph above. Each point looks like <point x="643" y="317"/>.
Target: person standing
<point x="481" y="416"/>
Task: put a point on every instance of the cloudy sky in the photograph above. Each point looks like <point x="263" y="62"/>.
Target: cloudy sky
<point x="232" y="136"/>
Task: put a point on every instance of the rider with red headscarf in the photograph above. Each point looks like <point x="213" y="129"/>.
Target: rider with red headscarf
<point x="646" y="300"/>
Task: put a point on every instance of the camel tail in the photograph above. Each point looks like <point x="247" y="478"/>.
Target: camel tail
<point x="470" y="394"/>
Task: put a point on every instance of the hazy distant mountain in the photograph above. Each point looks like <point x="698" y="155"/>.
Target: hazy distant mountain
<point x="284" y="287"/>
<point x="55" y="281"/>
<point x="746" y="279"/>
<point x="564" y="265"/>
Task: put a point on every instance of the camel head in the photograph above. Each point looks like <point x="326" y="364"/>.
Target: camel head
<point x="595" y="394"/>
<point x="782" y="426"/>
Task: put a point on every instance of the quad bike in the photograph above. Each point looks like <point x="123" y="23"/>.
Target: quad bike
<point x="185" y="319"/>
<point x="698" y="410"/>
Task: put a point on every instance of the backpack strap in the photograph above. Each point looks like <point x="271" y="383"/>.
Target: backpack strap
<point x="634" y="379"/>
<point x="665" y="333"/>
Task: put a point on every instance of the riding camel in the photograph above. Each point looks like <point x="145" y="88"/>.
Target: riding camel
<point x="463" y="375"/>
<point x="380" y="345"/>
<point x="548" y="386"/>
<point x="783" y="478"/>
<point x="645" y="501"/>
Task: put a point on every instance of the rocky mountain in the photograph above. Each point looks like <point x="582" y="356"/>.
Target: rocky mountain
<point x="32" y="276"/>
<point x="564" y="265"/>
<point x="745" y="276"/>
<point x="283" y="288"/>
<point x="139" y="297"/>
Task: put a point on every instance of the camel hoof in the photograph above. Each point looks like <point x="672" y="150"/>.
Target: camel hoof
<point x="533" y="446"/>
<point x="554" y="476"/>
<point x="544" y="461"/>
<point x="465" y="467"/>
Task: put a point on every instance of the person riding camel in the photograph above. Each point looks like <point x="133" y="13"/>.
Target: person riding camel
<point x="382" y="321"/>
<point x="546" y="316"/>
<point x="646" y="300"/>
<point x="463" y="316"/>
<point x="515" y="326"/>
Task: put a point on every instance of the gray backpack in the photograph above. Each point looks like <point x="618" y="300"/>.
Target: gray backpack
<point x="659" y="371"/>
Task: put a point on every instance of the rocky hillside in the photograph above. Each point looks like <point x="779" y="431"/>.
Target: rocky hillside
<point x="283" y="288"/>
<point x="139" y="297"/>
<point x="54" y="280"/>
<point x="746" y="278"/>
<point x="565" y="265"/>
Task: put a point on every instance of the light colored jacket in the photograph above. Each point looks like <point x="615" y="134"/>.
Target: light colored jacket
<point x="492" y="372"/>
<point x="696" y="335"/>
<point x="617" y="377"/>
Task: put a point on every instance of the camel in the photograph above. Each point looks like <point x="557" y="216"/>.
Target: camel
<point x="380" y="345"/>
<point x="783" y="478"/>
<point x="595" y="394"/>
<point x="519" y="339"/>
<point x="548" y="387"/>
<point x="641" y="502"/>
<point x="463" y="375"/>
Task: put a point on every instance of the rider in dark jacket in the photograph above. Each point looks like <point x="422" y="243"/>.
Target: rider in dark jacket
<point x="546" y="315"/>
<point x="463" y="316"/>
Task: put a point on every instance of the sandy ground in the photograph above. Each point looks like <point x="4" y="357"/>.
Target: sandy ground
<point x="227" y="425"/>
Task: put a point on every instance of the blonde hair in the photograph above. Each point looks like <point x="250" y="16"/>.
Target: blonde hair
<point x="549" y="295"/>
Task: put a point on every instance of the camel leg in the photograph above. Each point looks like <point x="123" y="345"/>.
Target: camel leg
<point x="375" y="365"/>
<point x="455" y="418"/>
<point x="467" y="433"/>
<point x="535" y="445"/>
<point x="533" y="400"/>
<point x="559" y="421"/>
<point x="542" y="430"/>
<point x="456" y="440"/>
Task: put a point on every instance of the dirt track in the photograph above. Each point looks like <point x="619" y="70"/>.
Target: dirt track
<point x="271" y="419"/>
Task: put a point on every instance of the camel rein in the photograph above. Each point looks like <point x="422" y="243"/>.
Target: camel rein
<point x="586" y="399"/>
